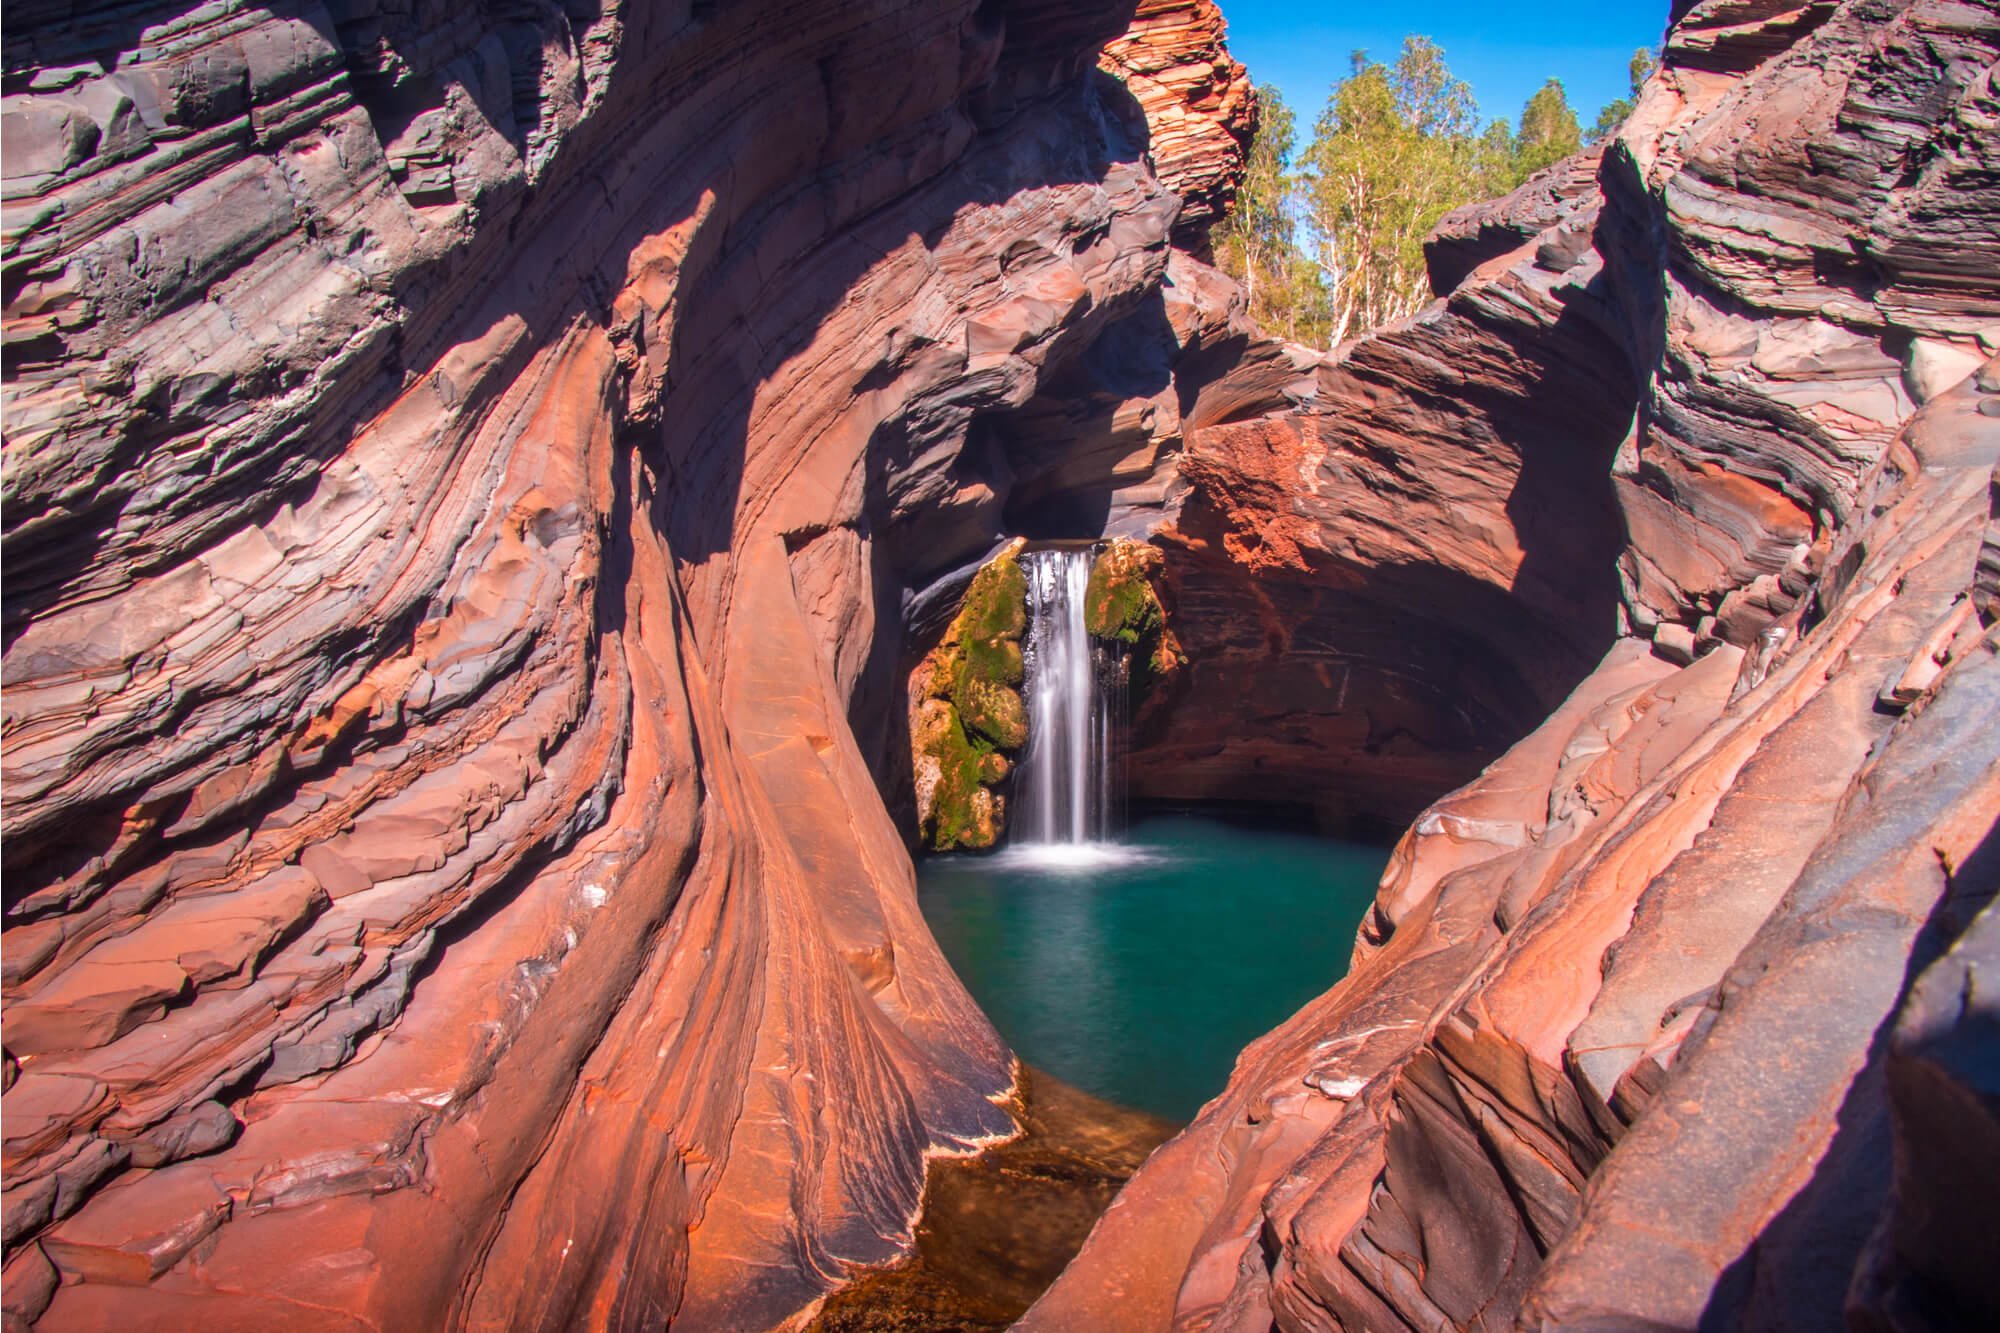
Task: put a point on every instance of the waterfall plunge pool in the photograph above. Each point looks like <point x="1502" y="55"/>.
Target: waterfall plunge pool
<point x="1138" y="970"/>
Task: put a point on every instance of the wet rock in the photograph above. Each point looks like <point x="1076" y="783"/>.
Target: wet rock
<point x="1122" y="604"/>
<point x="966" y="710"/>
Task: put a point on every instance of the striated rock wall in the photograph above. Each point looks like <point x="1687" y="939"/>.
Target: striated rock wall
<point x="1395" y="560"/>
<point x="1199" y="108"/>
<point x="1644" y="1013"/>
<point x="467" y="478"/>
<point x="461" y="470"/>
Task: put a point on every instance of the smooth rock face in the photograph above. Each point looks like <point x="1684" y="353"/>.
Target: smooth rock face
<point x="461" y="469"/>
<point x="1645" y="1012"/>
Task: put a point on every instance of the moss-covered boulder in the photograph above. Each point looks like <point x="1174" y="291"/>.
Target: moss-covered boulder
<point x="1122" y="604"/>
<point x="966" y="709"/>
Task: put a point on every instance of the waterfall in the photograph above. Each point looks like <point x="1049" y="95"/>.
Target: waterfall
<point x="1067" y="786"/>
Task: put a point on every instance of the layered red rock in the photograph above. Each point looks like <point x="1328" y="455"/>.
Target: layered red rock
<point x="1393" y="561"/>
<point x="1612" y="1051"/>
<point x="460" y="481"/>
<point x="452" y="488"/>
<point x="1199" y="108"/>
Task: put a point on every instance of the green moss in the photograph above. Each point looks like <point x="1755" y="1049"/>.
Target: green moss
<point x="991" y="709"/>
<point x="977" y="711"/>
<point x="995" y="660"/>
<point x="1121" y="604"/>
<point x="955" y="818"/>
<point x="1125" y="610"/>
<point x="996" y="602"/>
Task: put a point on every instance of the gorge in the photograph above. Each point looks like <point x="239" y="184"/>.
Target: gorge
<point x="496" y="501"/>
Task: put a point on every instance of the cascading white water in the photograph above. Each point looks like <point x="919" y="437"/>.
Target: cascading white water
<point x="1066" y="787"/>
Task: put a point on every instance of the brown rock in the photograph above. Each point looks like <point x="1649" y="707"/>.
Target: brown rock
<point x="138" y="1228"/>
<point x="430" y="698"/>
<point x="462" y="484"/>
<point x="1199" y="108"/>
<point x="1606" y="1055"/>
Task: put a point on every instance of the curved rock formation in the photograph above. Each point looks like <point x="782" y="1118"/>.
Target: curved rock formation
<point x="1616" y="1049"/>
<point x="474" y="483"/>
<point x="461" y="467"/>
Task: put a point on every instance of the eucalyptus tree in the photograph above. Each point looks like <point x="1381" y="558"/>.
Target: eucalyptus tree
<point x="1644" y="62"/>
<point x="1549" y="130"/>
<point x="1258" y="243"/>
<point x="1328" y="241"/>
<point x="1390" y="155"/>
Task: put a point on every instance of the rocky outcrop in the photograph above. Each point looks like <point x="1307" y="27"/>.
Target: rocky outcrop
<point x="1397" y="559"/>
<point x="461" y="471"/>
<point x="1122" y="606"/>
<point x="966" y="714"/>
<point x="1199" y="109"/>
<point x="1641" y="1011"/>
<point x="1563" y="198"/>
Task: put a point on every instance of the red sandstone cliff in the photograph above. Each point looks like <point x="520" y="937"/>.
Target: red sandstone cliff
<point x="1197" y="102"/>
<point x="465" y="479"/>
<point x="1642" y="1010"/>
<point x="460" y="470"/>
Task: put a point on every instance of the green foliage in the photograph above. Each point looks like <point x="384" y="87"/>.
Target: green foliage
<point x="1257" y="243"/>
<point x="1549" y="131"/>
<point x="1609" y="119"/>
<point x="1328" y="240"/>
<point x="1644" y="62"/>
<point x="1390" y="155"/>
<point x="1494" y="156"/>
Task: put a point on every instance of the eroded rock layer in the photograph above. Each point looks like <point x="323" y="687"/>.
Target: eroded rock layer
<point x="1645" y="1012"/>
<point x="461" y="467"/>
<point x="467" y="478"/>
<point x="1197" y="103"/>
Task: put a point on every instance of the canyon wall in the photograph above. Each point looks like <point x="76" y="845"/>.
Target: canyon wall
<point x="468" y="476"/>
<point x="463" y="466"/>
<point x="1674" y="1016"/>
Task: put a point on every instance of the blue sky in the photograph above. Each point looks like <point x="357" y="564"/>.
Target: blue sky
<point x="1503" y="48"/>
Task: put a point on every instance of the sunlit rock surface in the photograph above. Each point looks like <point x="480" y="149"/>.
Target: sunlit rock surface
<point x="461" y="466"/>
<point x="1197" y="102"/>
<point x="1646" y="1012"/>
<point x="476" y="483"/>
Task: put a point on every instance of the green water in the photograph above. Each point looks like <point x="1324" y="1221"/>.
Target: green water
<point x="1139" y="976"/>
